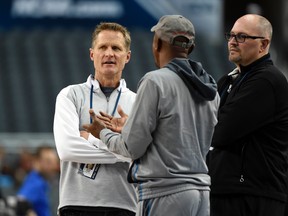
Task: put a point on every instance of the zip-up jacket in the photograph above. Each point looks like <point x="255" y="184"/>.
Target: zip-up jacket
<point x="251" y="138"/>
<point x="109" y="187"/>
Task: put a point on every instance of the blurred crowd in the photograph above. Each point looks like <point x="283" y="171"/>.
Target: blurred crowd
<point x="19" y="193"/>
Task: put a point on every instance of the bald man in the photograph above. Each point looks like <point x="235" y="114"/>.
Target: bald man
<point x="248" y="161"/>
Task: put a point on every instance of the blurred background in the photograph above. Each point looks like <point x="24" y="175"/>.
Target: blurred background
<point x="44" y="46"/>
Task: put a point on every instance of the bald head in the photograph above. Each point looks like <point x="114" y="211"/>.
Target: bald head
<point x="258" y="23"/>
<point x="251" y="40"/>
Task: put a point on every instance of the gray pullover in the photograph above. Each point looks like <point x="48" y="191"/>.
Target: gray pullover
<point x="90" y="175"/>
<point x="169" y="130"/>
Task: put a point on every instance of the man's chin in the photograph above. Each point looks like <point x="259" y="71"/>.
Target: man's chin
<point x="234" y="58"/>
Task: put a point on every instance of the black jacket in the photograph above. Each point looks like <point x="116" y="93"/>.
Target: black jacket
<point x="251" y="138"/>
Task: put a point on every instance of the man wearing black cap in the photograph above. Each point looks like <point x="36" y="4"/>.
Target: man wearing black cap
<point x="169" y="131"/>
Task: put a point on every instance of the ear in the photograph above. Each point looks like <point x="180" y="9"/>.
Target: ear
<point x="191" y="49"/>
<point x="264" y="44"/>
<point x="128" y="56"/>
<point x="91" y="54"/>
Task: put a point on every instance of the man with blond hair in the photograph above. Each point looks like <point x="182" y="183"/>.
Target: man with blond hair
<point x="93" y="180"/>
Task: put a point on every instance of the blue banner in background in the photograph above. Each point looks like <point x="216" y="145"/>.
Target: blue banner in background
<point x="71" y="13"/>
<point x="206" y="15"/>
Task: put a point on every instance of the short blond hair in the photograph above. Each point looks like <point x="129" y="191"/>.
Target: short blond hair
<point x="113" y="27"/>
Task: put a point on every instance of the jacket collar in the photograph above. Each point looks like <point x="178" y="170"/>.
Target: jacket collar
<point x="96" y="85"/>
<point x="245" y="69"/>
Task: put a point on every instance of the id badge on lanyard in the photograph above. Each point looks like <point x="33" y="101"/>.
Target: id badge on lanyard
<point x="91" y="170"/>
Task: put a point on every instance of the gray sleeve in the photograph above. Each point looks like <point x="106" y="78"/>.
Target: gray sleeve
<point x="114" y="142"/>
<point x="137" y="133"/>
<point x="138" y="130"/>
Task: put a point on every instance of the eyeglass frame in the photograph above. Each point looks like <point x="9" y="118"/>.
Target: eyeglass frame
<point x="244" y="36"/>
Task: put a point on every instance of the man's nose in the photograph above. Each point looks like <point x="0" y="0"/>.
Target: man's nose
<point x="109" y="51"/>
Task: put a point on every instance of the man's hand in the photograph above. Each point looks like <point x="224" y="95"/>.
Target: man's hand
<point x="96" y="126"/>
<point x="113" y="123"/>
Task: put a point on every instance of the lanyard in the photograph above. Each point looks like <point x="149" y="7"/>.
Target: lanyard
<point x="115" y="106"/>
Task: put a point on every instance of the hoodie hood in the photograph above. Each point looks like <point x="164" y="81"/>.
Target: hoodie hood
<point x="200" y="84"/>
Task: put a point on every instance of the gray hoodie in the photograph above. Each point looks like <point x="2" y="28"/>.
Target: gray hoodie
<point x="200" y="84"/>
<point x="169" y="130"/>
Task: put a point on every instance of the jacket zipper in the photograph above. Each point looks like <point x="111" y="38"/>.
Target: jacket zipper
<point x="242" y="165"/>
<point x="107" y="99"/>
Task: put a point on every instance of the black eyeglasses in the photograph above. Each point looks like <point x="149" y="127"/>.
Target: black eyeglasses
<point x="241" y="37"/>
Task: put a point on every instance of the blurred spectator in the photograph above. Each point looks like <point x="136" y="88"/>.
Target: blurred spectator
<point x="6" y="173"/>
<point x="24" y="166"/>
<point x="10" y="205"/>
<point x="35" y="187"/>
